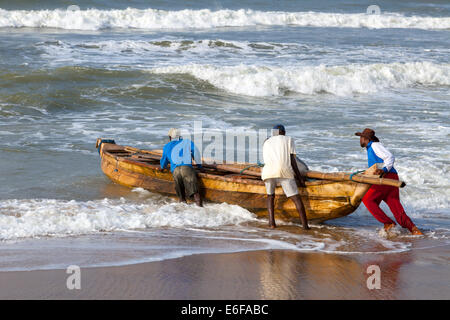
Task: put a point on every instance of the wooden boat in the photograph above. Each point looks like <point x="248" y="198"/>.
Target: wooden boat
<point x="323" y="199"/>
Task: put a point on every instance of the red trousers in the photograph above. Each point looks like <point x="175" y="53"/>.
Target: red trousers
<point x="391" y="196"/>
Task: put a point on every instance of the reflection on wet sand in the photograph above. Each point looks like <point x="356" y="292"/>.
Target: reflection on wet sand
<point x="293" y="275"/>
<point x="288" y="275"/>
<point x="280" y="274"/>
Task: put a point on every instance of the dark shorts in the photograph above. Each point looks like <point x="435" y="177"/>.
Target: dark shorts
<point x="186" y="183"/>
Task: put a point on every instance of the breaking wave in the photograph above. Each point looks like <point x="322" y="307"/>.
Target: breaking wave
<point x="338" y="80"/>
<point x="94" y="19"/>
<point x="46" y="217"/>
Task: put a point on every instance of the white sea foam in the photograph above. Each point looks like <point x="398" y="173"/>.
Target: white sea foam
<point x="338" y="80"/>
<point x="94" y="19"/>
<point x="141" y="46"/>
<point x="162" y="46"/>
<point x="142" y="53"/>
<point x="428" y="187"/>
<point x="34" y="218"/>
<point x="139" y="53"/>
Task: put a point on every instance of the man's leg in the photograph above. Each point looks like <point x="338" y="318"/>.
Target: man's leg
<point x="190" y="182"/>
<point x="271" y="209"/>
<point x="301" y="210"/>
<point x="198" y="199"/>
<point x="270" y="188"/>
<point x="290" y="189"/>
<point x="393" y="201"/>
<point x="179" y="185"/>
<point x="372" y="201"/>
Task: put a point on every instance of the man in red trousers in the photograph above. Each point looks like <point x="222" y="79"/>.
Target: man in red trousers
<point x="377" y="153"/>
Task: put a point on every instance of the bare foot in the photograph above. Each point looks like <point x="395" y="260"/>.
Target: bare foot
<point x="388" y="226"/>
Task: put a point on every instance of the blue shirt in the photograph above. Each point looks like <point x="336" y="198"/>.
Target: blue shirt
<point x="179" y="153"/>
<point x="377" y="153"/>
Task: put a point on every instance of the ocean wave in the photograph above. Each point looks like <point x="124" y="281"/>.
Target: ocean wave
<point x="47" y="217"/>
<point x="431" y="181"/>
<point x="155" y="52"/>
<point x="36" y="218"/>
<point x="338" y="80"/>
<point x="177" y="46"/>
<point x="94" y="19"/>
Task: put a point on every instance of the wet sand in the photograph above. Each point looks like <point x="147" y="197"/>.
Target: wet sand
<point x="276" y="274"/>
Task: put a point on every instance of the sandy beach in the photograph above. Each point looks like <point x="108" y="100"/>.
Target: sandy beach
<point x="273" y="274"/>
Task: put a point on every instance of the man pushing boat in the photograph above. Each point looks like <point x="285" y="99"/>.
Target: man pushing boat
<point x="179" y="154"/>
<point x="280" y="167"/>
<point x="377" y="153"/>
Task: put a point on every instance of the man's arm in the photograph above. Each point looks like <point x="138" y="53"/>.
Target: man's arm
<point x="164" y="159"/>
<point x="298" y="175"/>
<point x="195" y="154"/>
<point x="300" y="178"/>
<point x="384" y="154"/>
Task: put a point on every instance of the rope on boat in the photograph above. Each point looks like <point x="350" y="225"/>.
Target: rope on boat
<point x="252" y="166"/>
<point x="356" y="172"/>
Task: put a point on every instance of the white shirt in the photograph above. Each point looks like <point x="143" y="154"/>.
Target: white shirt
<point x="383" y="153"/>
<point x="277" y="152"/>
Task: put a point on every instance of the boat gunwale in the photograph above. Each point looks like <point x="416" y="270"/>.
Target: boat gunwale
<point x="219" y="177"/>
<point x="345" y="199"/>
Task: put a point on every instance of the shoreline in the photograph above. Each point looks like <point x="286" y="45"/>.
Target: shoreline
<point x="254" y="275"/>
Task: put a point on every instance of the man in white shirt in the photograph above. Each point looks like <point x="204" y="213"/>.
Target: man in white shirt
<point x="280" y="166"/>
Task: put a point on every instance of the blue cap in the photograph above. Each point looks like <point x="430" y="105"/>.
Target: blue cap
<point x="280" y="127"/>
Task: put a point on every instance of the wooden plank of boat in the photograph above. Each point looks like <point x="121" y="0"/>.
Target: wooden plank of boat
<point x="323" y="199"/>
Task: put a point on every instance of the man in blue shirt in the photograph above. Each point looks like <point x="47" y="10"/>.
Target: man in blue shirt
<point x="378" y="154"/>
<point x="179" y="153"/>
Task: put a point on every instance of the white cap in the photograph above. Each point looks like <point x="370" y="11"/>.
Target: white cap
<point x="174" y="133"/>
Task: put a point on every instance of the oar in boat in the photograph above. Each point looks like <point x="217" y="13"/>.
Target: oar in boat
<point x="342" y="176"/>
<point x="337" y="176"/>
<point x="334" y="176"/>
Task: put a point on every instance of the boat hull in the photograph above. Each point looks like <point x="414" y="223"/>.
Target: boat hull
<point x="323" y="199"/>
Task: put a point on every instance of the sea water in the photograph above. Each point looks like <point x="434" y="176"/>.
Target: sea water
<point x="130" y="70"/>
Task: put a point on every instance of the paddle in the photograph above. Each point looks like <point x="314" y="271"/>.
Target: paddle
<point x="334" y="176"/>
